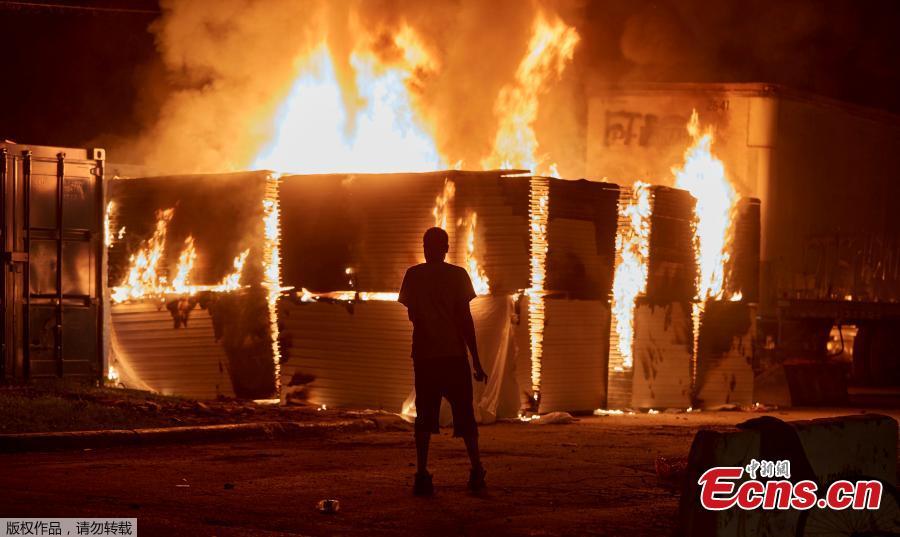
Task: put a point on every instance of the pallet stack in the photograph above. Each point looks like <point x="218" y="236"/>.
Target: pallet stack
<point x="356" y="353"/>
<point x="663" y="339"/>
<point x="725" y="346"/>
<point x="581" y="229"/>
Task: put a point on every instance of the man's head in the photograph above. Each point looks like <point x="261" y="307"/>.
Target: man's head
<point x="436" y="243"/>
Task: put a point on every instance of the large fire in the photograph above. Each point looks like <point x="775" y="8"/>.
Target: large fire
<point x="550" y="50"/>
<point x="703" y="175"/>
<point x="145" y="278"/>
<point x="630" y="277"/>
<point x="316" y="132"/>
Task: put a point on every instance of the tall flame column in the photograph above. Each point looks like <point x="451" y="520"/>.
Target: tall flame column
<point x="272" y="266"/>
<point x="538" y="211"/>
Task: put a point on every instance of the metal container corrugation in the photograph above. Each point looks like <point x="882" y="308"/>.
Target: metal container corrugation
<point x="581" y="235"/>
<point x="186" y="361"/>
<point x="374" y="225"/>
<point x="725" y="354"/>
<point x="573" y="367"/>
<point x="51" y="229"/>
<point x="663" y="346"/>
<point x="672" y="267"/>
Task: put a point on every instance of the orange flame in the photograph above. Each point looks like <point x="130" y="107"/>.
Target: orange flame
<point x="272" y="266"/>
<point x="442" y="204"/>
<point x="143" y="278"/>
<point x="550" y="49"/>
<point x="315" y="133"/>
<point x="630" y="277"/>
<point x="476" y="272"/>
<point x="703" y="175"/>
<point x="180" y="284"/>
<point x="144" y="281"/>
<point x="232" y="282"/>
<point x="108" y="236"/>
<point x="538" y="213"/>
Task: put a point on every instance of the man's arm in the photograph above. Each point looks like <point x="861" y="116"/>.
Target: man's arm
<point x="468" y="329"/>
<point x="404" y="296"/>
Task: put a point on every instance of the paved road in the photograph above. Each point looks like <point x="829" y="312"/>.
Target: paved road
<point x="595" y="477"/>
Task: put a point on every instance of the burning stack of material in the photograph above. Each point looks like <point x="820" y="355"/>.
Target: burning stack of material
<point x="727" y="327"/>
<point x="348" y="240"/>
<point x="188" y="269"/>
<point x="652" y="333"/>
<point x="563" y="333"/>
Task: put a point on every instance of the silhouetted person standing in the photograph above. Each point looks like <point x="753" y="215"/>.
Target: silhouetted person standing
<point x="437" y="295"/>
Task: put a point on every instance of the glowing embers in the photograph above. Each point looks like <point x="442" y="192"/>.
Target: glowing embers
<point x="538" y="214"/>
<point x="631" y="271"/>
<point x="550" y="50"/>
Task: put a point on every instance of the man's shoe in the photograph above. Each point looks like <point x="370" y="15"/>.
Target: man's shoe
<point x="423" y="485"/>
<point x="476" y="479"/>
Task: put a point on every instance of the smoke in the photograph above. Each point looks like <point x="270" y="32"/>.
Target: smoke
<point x="230" y="70"/>
<point x="842" y="49"/>
<point x="225" y="70"/>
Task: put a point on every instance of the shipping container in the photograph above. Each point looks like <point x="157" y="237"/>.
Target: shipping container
<point x="52" y="232"/>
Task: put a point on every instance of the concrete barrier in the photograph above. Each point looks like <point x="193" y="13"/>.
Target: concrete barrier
<point x="859" y="445"/>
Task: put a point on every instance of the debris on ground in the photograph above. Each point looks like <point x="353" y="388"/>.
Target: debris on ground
<point x="554" y="418"/>
<point x="329" y="506"/>
<point x="724" y="407"/>
<point x="759" y="407"/>
<point x="671" y="472"/>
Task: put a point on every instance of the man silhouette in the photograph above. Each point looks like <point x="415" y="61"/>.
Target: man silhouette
<point x="436" y="295"/>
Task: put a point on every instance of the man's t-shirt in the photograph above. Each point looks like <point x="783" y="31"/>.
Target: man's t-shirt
<point x="433" y="294"/>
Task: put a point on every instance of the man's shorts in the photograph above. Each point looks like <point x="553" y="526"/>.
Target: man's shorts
<point x="448" y="377"/>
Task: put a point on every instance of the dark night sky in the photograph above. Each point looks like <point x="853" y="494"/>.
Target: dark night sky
<point x="84" y="77"/>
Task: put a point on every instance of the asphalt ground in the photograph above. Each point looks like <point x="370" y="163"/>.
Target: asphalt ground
<point x="593" y="477"/>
